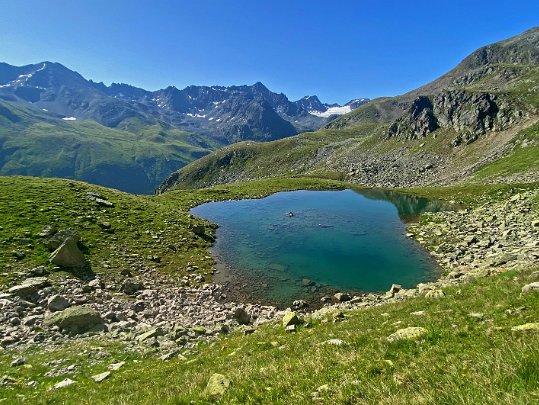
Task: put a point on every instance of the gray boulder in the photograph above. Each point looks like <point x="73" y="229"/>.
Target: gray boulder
<point x="241" y="315"/>
<point x="68" y="255"/>
<point x="131" y="286"/>
<point x="342" y="297"/>
<point x="76" y="320"/>
<point x="56" y="240"/>
<point x="29" y="287"/>
<point x="57" y="303"/>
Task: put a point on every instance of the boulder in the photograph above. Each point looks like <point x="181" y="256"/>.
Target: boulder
<point x="56" y="240"/>
<point x="57" y="303"/>
<point x="152" y="333"/>
<point x="530" y="287"/>
<point x="77" y="319"/>
<point x="241" y="315"/>
<point x="29" y="287"/>
<point x="411" y="333"/>
<point x="217" y="385"/>
<point x="290" y="318"/>
<point x="131" y="286"/>
<point x="342" y="297"/>
<point x="435" y="294"/>
<point x="68" y="255"/>
<point x="395" y="288"/>
<point x="101" y="377"/>
<point x="199" y="230"/>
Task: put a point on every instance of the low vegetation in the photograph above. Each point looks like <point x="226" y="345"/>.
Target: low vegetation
<point x="470" y="353"/>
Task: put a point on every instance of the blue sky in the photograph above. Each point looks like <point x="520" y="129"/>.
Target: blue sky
<point x="337" y="50"/>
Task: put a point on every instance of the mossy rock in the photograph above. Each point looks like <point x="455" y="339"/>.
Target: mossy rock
<point x="76" y="320"/>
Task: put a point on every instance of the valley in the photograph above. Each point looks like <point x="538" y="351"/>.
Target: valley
<point x="109" y="294"/>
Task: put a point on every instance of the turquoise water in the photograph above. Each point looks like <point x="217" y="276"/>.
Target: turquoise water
<point x="339" y="240"/>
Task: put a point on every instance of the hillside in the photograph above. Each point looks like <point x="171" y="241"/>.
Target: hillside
<point x="483" y="110"/>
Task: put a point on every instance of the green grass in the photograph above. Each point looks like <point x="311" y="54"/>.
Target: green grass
<point x="521" y="159"/>
<point x="135" y="158"/>
<point x="461" y="360"/>
<point x="145" y="226"/>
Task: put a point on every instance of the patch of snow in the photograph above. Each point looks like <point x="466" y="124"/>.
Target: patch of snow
<point x="69" y="119"/>
<point x="196" y="115"/>
<point x="332" y="111"/>
<point x="44" y="109"/>
<point x="210" y="119"/>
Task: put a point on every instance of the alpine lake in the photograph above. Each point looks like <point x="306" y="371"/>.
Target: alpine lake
<point x="303" y="245"/>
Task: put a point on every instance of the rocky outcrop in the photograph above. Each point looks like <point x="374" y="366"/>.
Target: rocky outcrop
<point x="469" y="114"/>
<point x="417" y="122"/>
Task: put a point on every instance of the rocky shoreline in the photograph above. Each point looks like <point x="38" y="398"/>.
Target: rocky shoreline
<point x="153" y="311"/>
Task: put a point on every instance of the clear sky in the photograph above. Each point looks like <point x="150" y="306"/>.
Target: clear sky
<point x="338" y="50"/>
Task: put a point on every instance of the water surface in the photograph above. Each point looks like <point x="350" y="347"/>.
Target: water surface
<point x="339" y="240"/>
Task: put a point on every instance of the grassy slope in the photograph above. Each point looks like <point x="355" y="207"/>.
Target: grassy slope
<point x="523" y="158"/>
<point x="143" y="225"/>
<point x="461" y="359"/>
<point x="135" y="160"/>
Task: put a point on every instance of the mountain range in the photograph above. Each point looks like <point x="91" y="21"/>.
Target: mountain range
<point x="478" y="121"/>
<point x="54" y="122"/>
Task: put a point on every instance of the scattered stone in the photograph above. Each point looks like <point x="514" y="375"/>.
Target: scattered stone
<point x="19" y="361"/>
<point x="29" y="287"/>
<point x="75" y="320"/>
<point x="290" y="318"/>
<point x="435" y="294"/>
<point x="18" y="254"/>
<point x="476" y="315"/>
<point x="395" y="288"/>
<point x="530" y="287"/>
<point x="342" y="297"/>
<point x="152" y="333"/>
<point x="526" y="327"/>
<point x="418" y="313"/>
<point x="56" y="240"/>
<point x="47" y="231"/>
<point x="217" y="385"/>
<point x="62" y="384"/>
<point x="101" y="377"/>
<point x="116" y="366"/>
<point x="290" y="328"/>
<point x="307" y="283"/>
<point x="299" y="304"/>
<point x="131" y="286"/>
<point x="410" y="333"/>
<point x="333" y="342"/>
<point x="57" y="303"/>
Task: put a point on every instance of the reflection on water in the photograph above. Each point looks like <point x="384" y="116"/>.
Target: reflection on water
<point x="345" y="240"/>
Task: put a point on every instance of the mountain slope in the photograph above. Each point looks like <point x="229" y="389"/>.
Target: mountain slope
<point x="439" y="133"/>
<point x="54" y="122"/>
<point x="46" y="146"/>
<point x="225" y="113"/>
